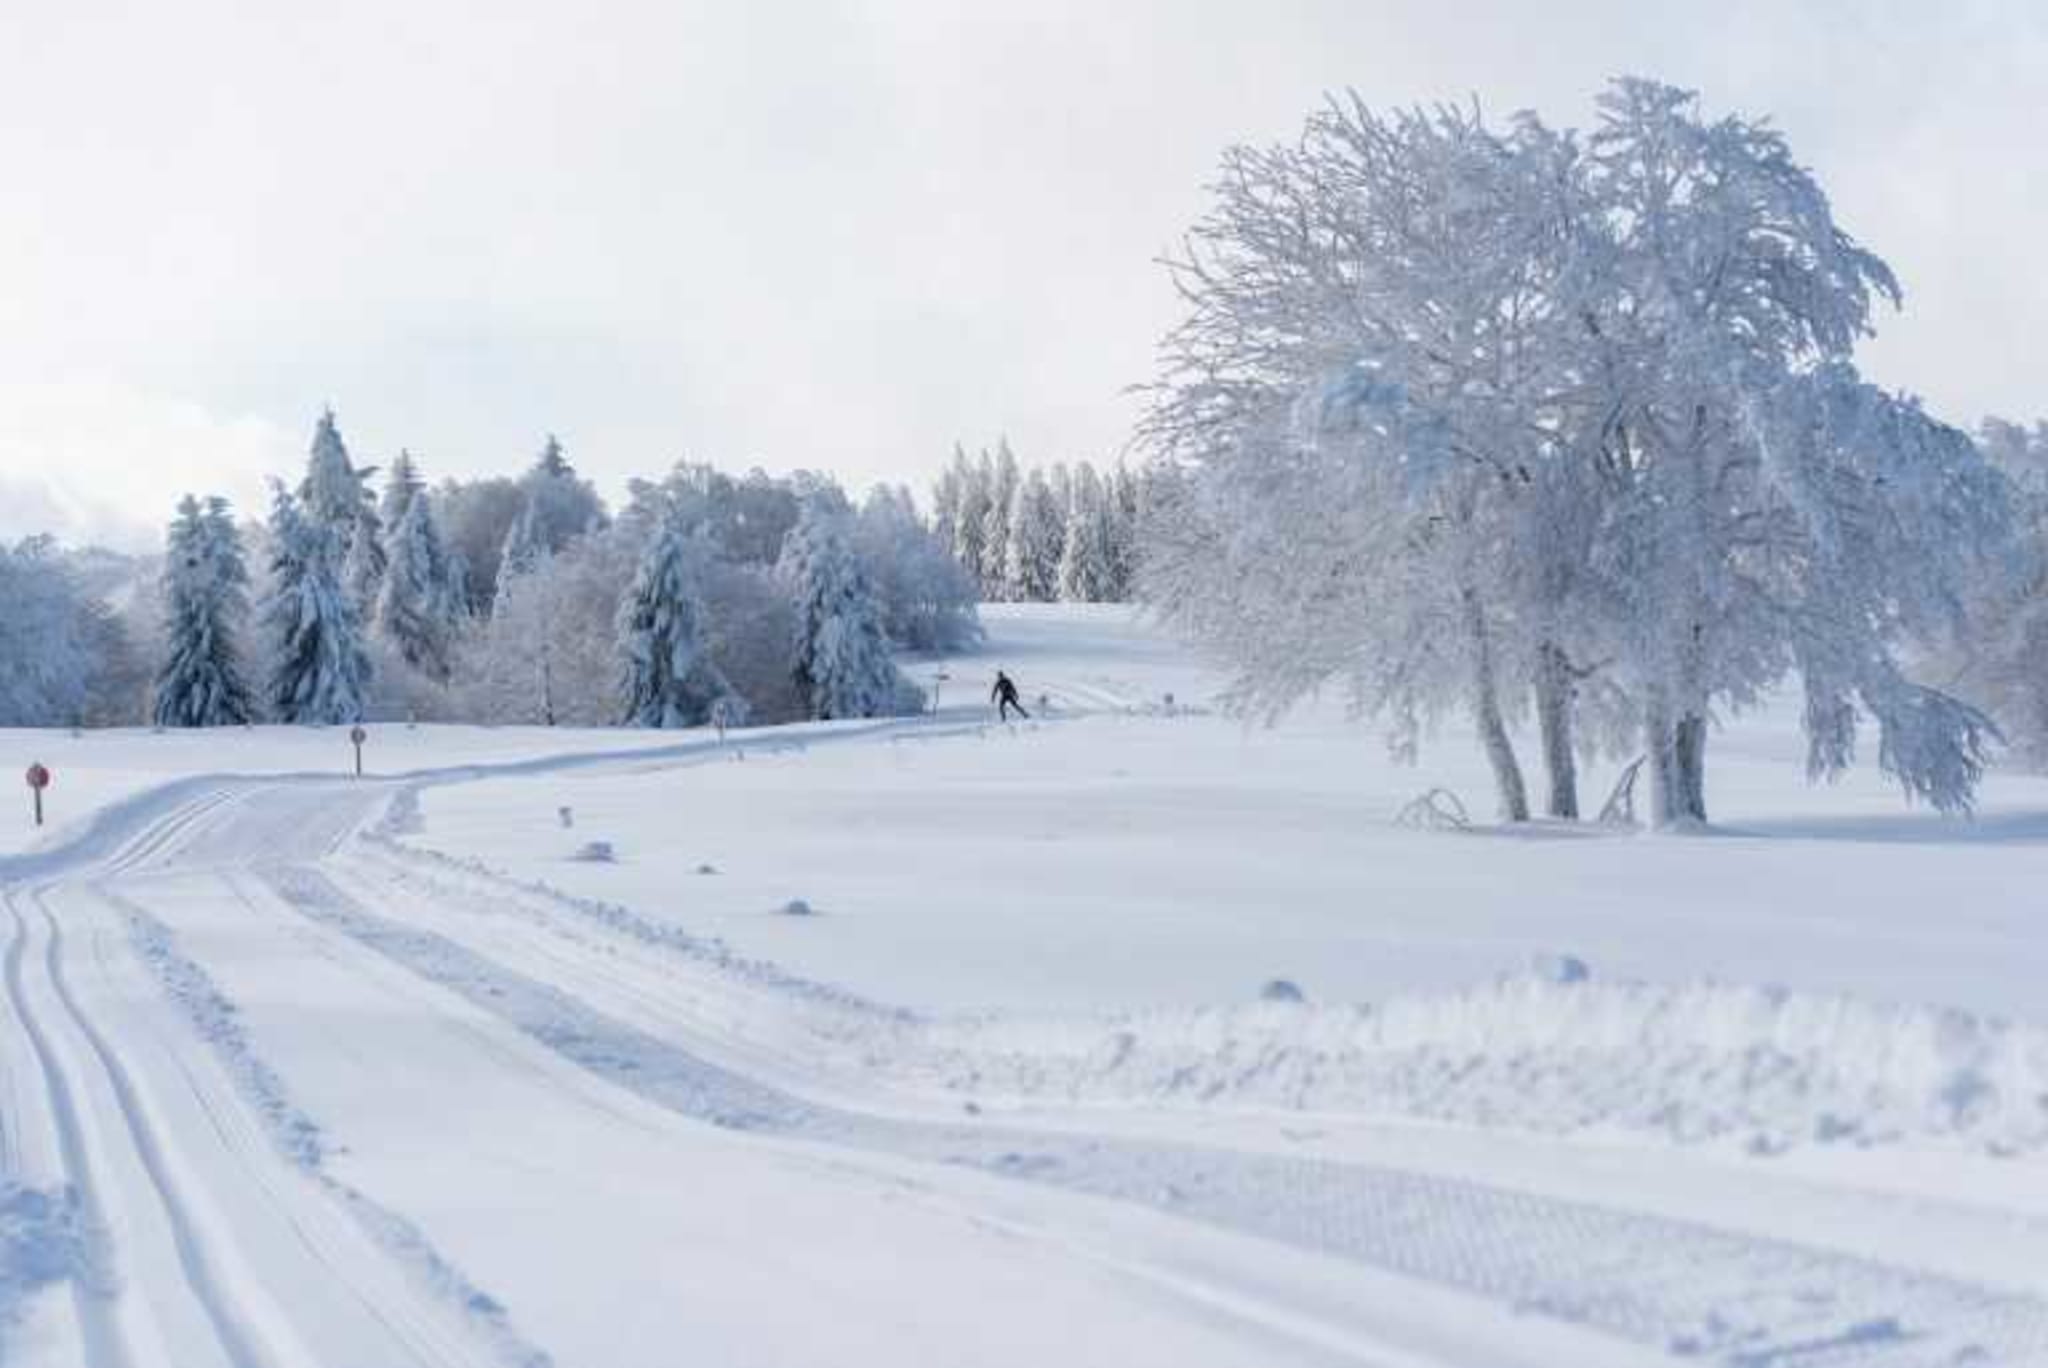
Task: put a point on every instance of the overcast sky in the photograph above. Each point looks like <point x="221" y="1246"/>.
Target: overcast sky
<point x="828" y="235"/>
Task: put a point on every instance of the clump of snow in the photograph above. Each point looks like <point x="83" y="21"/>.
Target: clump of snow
<point x="1560" y="968"/>
<point x="796" y="907"/>
<point x="1282" y="990"/>
<point x="595" y="852"/>
<point x="43" y="1240"/>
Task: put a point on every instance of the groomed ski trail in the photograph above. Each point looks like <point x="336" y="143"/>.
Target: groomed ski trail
<point x="130" y="1144"/>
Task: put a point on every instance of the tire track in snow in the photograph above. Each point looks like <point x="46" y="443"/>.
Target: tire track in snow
<point x="102" y="1342"/>
<point x="485" y="1324"/>
<point x="1681" y="1287"/>
<point x="233" y="1338"/>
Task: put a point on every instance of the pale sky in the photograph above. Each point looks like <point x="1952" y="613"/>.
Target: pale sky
<point x="829" y="235"/>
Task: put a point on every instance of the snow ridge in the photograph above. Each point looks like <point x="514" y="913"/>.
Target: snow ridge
<point x="1694" y="1063"/>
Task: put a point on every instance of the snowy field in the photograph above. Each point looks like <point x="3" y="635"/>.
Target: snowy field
<point x="297" y="1069"/>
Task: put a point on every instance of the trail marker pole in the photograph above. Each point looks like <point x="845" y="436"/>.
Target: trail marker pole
<point x="357" y="735"/>
<point x="38" y="780"/>
<point x="938" y="681"/>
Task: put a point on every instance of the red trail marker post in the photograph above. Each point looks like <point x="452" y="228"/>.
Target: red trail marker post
<point x="357" y="736"/>
<point x="38" y="780"/>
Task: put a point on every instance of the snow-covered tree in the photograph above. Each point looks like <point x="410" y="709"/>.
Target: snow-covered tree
<point x="318" y="667"/>
<point x="1003" y="479"/>
<point x="400" y="485"/>
<point x="46" y="637"/>
<point x="970" y="521"/>
<point x="524" y="546"/>
<point x="206" y="579"/>
<point x="928" y="600"/>
<point x="563" y="505"/>
<point x="418" y="609"/>
<point x="1468" y="415"/>
<point x="336" y="494"/>
<point x="1033" y="543"/>
<point x="2001" y="660"/>
<point x="1770" y="509"/>
<point x="1088" y="557"/>
<point x="842" y="663"/>
<point x="668" y="678"/>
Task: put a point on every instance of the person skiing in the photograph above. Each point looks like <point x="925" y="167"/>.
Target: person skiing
<point x="1004" y="696"/>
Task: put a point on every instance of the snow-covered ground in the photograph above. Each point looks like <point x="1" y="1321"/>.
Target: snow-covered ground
<point x="297" y="1069"/>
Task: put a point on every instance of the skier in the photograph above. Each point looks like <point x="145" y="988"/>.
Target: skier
<point x="1004" y="696"/>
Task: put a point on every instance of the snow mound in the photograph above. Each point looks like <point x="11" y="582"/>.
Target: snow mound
<point x="1693" y="1063"/>
<point x="1550" y="1051"/>
<point x="595" y="852"/>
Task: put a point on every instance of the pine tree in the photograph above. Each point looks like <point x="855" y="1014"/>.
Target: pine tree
<point x="669" y="678"/>
<point x="524" y="546"/>
<point x="1032" y="548"/>
<point x="417" y="609"/>
<point x="843" y="667"/>
<point x="995" y="525"/>
<point x="400" y="487"/>
<point x="335" y="494"/>
<point x="562" y="505"/>
<point x="318" y="667"/>
<point x="1087" y="561"/>
<point x="970" y="523"/>
<point x="206" y="588"/>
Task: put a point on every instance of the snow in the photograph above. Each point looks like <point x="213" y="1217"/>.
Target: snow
<point x="1123" y="1035"/>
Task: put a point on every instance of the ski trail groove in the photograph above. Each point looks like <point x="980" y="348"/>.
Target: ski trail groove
<point x="1678" y="1286"/>
<point x="102" y="1342"/>
<point x="192" y="1259"/>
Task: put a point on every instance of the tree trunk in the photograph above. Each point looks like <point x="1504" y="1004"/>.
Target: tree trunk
<point x="1554" y="721"/>
<point x="1691" y="738"/>
<point x="1493" y="730"/>
<point x="1660" y="750"/>
<point x="1676" y="746"/>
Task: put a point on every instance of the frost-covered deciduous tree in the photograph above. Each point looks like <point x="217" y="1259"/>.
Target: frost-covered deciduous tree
<point x="928" y="601"/>
<point x="2001" y="660"/>
<point x="206" y="583"/>
<point x="46" y="637"/>
<point x="1471" y="415"/>
<point x="318" y="667"/>
<point x="668" y="678"/>
<point x="1767" y="508"/>
<point x="419" y="607"/>
<point x="842" y="664"/>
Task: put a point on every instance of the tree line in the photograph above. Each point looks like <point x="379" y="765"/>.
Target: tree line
<point x="1040" y="535"/>
<point x="368" y="594"/>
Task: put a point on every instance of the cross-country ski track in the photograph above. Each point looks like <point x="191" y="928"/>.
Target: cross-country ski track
<point x="291" y="1091"/>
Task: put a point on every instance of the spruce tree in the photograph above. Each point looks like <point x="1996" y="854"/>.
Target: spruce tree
<point x="1088" y="560"/>
<point x="669" y="678"/>
<point x="206" y="591"/>
<point x="842" y="664"/>
<point x="1032" y="548"/>
<point x="335" y="494"/>
<point x="318" y="669"/>
<point x="400" y="486"/>
<point x="417" y="608"/>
